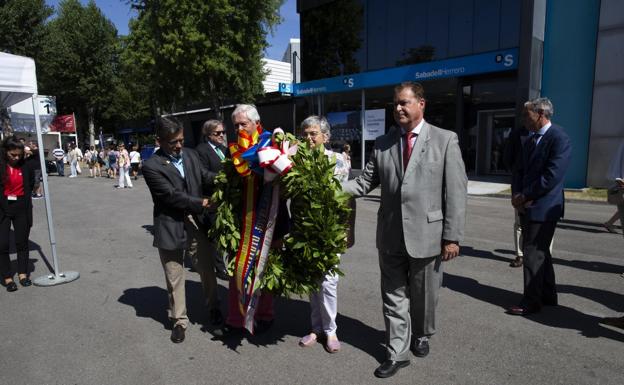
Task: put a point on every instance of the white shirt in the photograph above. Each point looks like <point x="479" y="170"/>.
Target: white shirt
<point x="541" y="132"/>
<point x="415" y="130"/>
<point x="135" y="157"/>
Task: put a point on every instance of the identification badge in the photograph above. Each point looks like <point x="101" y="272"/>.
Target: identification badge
<point x="11" y="197"/>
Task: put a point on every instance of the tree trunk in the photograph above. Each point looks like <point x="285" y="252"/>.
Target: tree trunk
<point x="91" y="118"/>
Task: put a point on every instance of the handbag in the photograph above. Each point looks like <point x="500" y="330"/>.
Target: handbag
<point x="615" y="195"/>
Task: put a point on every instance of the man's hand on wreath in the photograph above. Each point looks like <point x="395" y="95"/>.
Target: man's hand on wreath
<point x="450" y="250"/>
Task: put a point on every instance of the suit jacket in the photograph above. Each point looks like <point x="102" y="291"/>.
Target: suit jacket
<point x="426" y="203"/>
<point x="28" y="176"/>
<point x="209" y="157"/>
<point x="211" y="160"/>
<point x="175" y="197"/>
<point x="541" y="175"/>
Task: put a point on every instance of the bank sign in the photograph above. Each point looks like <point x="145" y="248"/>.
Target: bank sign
<point x="462" y="66"/>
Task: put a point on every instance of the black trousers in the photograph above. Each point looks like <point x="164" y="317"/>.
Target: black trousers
<point x="539" y="274"/>
<point x="17" y="215"/>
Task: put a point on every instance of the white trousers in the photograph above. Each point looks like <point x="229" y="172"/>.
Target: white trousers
<point x="324" y="306"/>
<point x="124" y="174"/>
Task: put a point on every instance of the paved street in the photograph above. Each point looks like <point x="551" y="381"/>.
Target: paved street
<point x="110" y="326"/>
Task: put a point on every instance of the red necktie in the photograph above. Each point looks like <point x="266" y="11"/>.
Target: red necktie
<point x="407" y="149"/>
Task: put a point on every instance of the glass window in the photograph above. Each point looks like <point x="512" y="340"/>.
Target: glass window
<point x="460" y="28"/>
<point x="510" y="23"/>
<point x="342" y="110"/>
<point x="486" y="29"/>
<point x="438" y="27"/>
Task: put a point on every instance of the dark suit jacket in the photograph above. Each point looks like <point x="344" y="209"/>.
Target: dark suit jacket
<point x="212" y="162"/>
<point x="175" y="197"/>
<point x="209" y="157"/>
<point x="29" y="182"/>
<point x="541" y="175"/>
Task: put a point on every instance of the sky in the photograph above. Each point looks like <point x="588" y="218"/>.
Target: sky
<point x="119" y="13"/>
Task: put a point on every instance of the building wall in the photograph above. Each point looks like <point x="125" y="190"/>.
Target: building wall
<point x="607" y="123"/>
<point x="568" y="74"/>
<point x="278" y="72"/>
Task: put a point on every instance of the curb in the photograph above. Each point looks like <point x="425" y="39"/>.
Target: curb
<point x="508" y="196"/>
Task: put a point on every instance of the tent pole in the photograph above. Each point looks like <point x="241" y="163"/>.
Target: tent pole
<point x="58" y="277"/>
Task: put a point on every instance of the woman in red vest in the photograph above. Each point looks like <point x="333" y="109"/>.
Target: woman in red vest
<point x="16" y="184"/>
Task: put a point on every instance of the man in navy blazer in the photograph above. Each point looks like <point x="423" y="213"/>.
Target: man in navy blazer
<point x="178" y="183"/>
<point x="537" y="190"/>
<point x="212" y="152"/>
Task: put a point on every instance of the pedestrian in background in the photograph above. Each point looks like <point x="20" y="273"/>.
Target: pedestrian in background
<point x="16" y="185"/>
<point x="72" y="158"/>
<point x="91" y="157"/>
<point x="59" y="157"/>
<point x="123" y="165"/>
<point x="135" y="161"/>
<point x="113" y="154"/>
<point x="35" y="164"/>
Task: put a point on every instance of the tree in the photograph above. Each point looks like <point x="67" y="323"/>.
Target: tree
<point x="198" y="50"/>
<point x="22" y="32"/>
<point x="332" y="34"/>
<point x="22" y="26"/>
<point x="80" y="61"/>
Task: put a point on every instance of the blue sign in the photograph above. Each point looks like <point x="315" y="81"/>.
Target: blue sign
<point x="462" y="66"/>
<point x="285" y="88"/>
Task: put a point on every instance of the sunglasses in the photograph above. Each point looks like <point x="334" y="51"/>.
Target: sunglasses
<point x="218" y="133"/>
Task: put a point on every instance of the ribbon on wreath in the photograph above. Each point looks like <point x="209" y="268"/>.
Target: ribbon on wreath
<point x="254" y="159"/>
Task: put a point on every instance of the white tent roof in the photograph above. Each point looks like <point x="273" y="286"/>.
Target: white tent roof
<point x="18" y="79"/>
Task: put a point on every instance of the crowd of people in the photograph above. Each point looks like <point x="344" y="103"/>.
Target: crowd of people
<point x="112" y="161"/>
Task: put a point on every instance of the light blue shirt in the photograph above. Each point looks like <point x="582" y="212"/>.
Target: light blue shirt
<point x="178" y="163"/>
<point x="541" y="132"/>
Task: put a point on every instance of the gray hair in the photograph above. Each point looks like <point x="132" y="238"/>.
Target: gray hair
<point x="249" y="110"/>
<point x="209" y="126"/>
<point x="314" y="120"/>
<point x="543" y="105"/>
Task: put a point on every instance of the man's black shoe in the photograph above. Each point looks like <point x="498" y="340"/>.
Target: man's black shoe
<point x="226" y="331"/>
<point x="262" y="326"/>
<point x="177" y="334"/>
<point x="389" y="368"/>
<point x="216" y="318"/>
<point x="420" y="348"/>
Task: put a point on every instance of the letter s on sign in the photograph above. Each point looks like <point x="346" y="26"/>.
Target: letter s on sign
<point x="508" y="60"/>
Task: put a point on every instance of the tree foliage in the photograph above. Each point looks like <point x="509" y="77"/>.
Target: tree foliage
<point x="199" y="50"/>
<point x="81" y="61"/>
<point x="22" y="26"/>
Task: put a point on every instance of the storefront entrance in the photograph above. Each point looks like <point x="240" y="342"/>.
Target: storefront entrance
<point x="492" y="134"/>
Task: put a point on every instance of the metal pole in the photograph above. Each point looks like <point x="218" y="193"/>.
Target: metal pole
<point x="363" y="125"/>
<point x="58" y="277"/>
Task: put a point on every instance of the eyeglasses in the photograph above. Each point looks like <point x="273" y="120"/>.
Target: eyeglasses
<point x="176" y="141"/>
<point x="218" y="133"/>
<point x="312" y="134"/>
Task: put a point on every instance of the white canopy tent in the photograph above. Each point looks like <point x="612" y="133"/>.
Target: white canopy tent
<point x="18" y="81"/>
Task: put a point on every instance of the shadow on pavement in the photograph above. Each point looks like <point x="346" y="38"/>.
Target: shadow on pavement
<point x="558" y="316"/>
<point x="595" y="266"/>
<point x="292" y="317"/>
<point x="32" y="247"/>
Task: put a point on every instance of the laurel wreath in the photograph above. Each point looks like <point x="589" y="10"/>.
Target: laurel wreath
<point x="319" y="211"/>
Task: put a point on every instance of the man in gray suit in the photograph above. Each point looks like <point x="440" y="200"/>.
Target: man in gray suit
<point x="419" y="224"/>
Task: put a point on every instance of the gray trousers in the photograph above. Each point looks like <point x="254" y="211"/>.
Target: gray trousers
<point x="409" y="291"/>
<point x="173" y="265"/>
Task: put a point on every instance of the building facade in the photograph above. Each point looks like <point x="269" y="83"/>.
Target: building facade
<point x="479" y="61"/>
